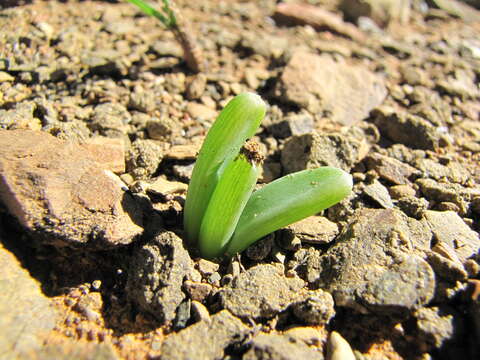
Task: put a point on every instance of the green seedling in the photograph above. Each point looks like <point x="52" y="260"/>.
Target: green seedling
<point x="167" y="18"/>
<point x="223" y="215"/>
<point x="171" y="18"/>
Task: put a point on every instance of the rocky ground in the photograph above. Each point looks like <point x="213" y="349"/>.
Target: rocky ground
<point x="100" y="122"/>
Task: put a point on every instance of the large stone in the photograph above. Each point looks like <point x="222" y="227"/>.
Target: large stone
<point x="156" y="276"/>
<point x="407" y="129"/>
<point x="61" y="192"/>
<point x="205" y="340"/>
<point x="313" y="150"/>
<point x="345" y="93"/>
<point x="390" y="169"/>
<point x="260" y="292"/>
<point x="26" y="315"/>
<point x="377" y="264"/>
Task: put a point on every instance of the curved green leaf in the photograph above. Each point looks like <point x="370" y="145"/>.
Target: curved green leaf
<point x="287" y="200"/>
<point x="237" y="122"/>
<point x="226" y="205"/>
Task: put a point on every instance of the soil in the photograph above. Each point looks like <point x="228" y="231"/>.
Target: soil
<point x="400" y="111"/>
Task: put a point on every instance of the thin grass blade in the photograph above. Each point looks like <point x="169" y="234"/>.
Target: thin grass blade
<point x="287" y="200"/>
<point x="237" y="122"/>
<point x="228" y="201"/>
<point x="150" y="11"/>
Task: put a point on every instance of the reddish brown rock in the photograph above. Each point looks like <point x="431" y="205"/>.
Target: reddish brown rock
<point x="317" y="83"/>
<point x="59" y="191"/>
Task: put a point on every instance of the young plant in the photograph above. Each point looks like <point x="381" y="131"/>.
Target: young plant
<point x="172" y="19"/>
<point x="223" y="215"/>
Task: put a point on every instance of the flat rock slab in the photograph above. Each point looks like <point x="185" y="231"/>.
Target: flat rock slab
<point x="346" y="93"/>
<point x="260" y="292"/>
<point x="61" y="192"/>
<point x="377" y="264"/>
<point x="26" y="315"/>
<point x="205" y="340"/>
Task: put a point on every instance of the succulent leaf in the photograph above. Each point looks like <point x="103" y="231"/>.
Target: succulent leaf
<point x="287" y="200"/>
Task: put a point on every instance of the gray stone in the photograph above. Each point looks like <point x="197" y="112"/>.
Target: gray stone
<point x="279" y="347"/>
<point x="260" y="292"/>
<point x="407" y="129"/>
<point x="143" y="101"/>
<point x="59" y="191"/>
<point x="378" y="193"/>
<point x="196" y="87"/>
<point x="435" y="326"/>
<point x="204" y="340"/>
<point x="320" y="85"/>
<point x="167" y="48"/>
<point x="313" y="230"/>
<point x="399" y="191"/>
<point x="390" y="169"/>
<point x="376" y="264"/>
<point x="183" y="172"/>
<point x="316" y="308"/>
<point x="413" y="206"/>
<point x="197" y="291"/>
<point x="156" y="276"/>
<point x="20" y="117"/>
<point x="110" y="119"/>
<point x="207" y="267"/>
<point x="313" y="150"/>
<point x="432" y="168"/>
<point x="143" y="158"/>
<point x="447" y="227"/>
<point x="271" y="45"/>
<point x="182" y="315"/>
<point x="292" y="125"/>
<point x="316" y="336"/>
<point x="449" y="192"/>
<point x="163" y="128"/>
<point x="26" y="315"/>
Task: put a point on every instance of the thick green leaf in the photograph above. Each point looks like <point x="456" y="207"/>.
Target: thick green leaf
<point x="237" y="122"/>
<point x="287" y="200"/>
<point x="226" y="205"/>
